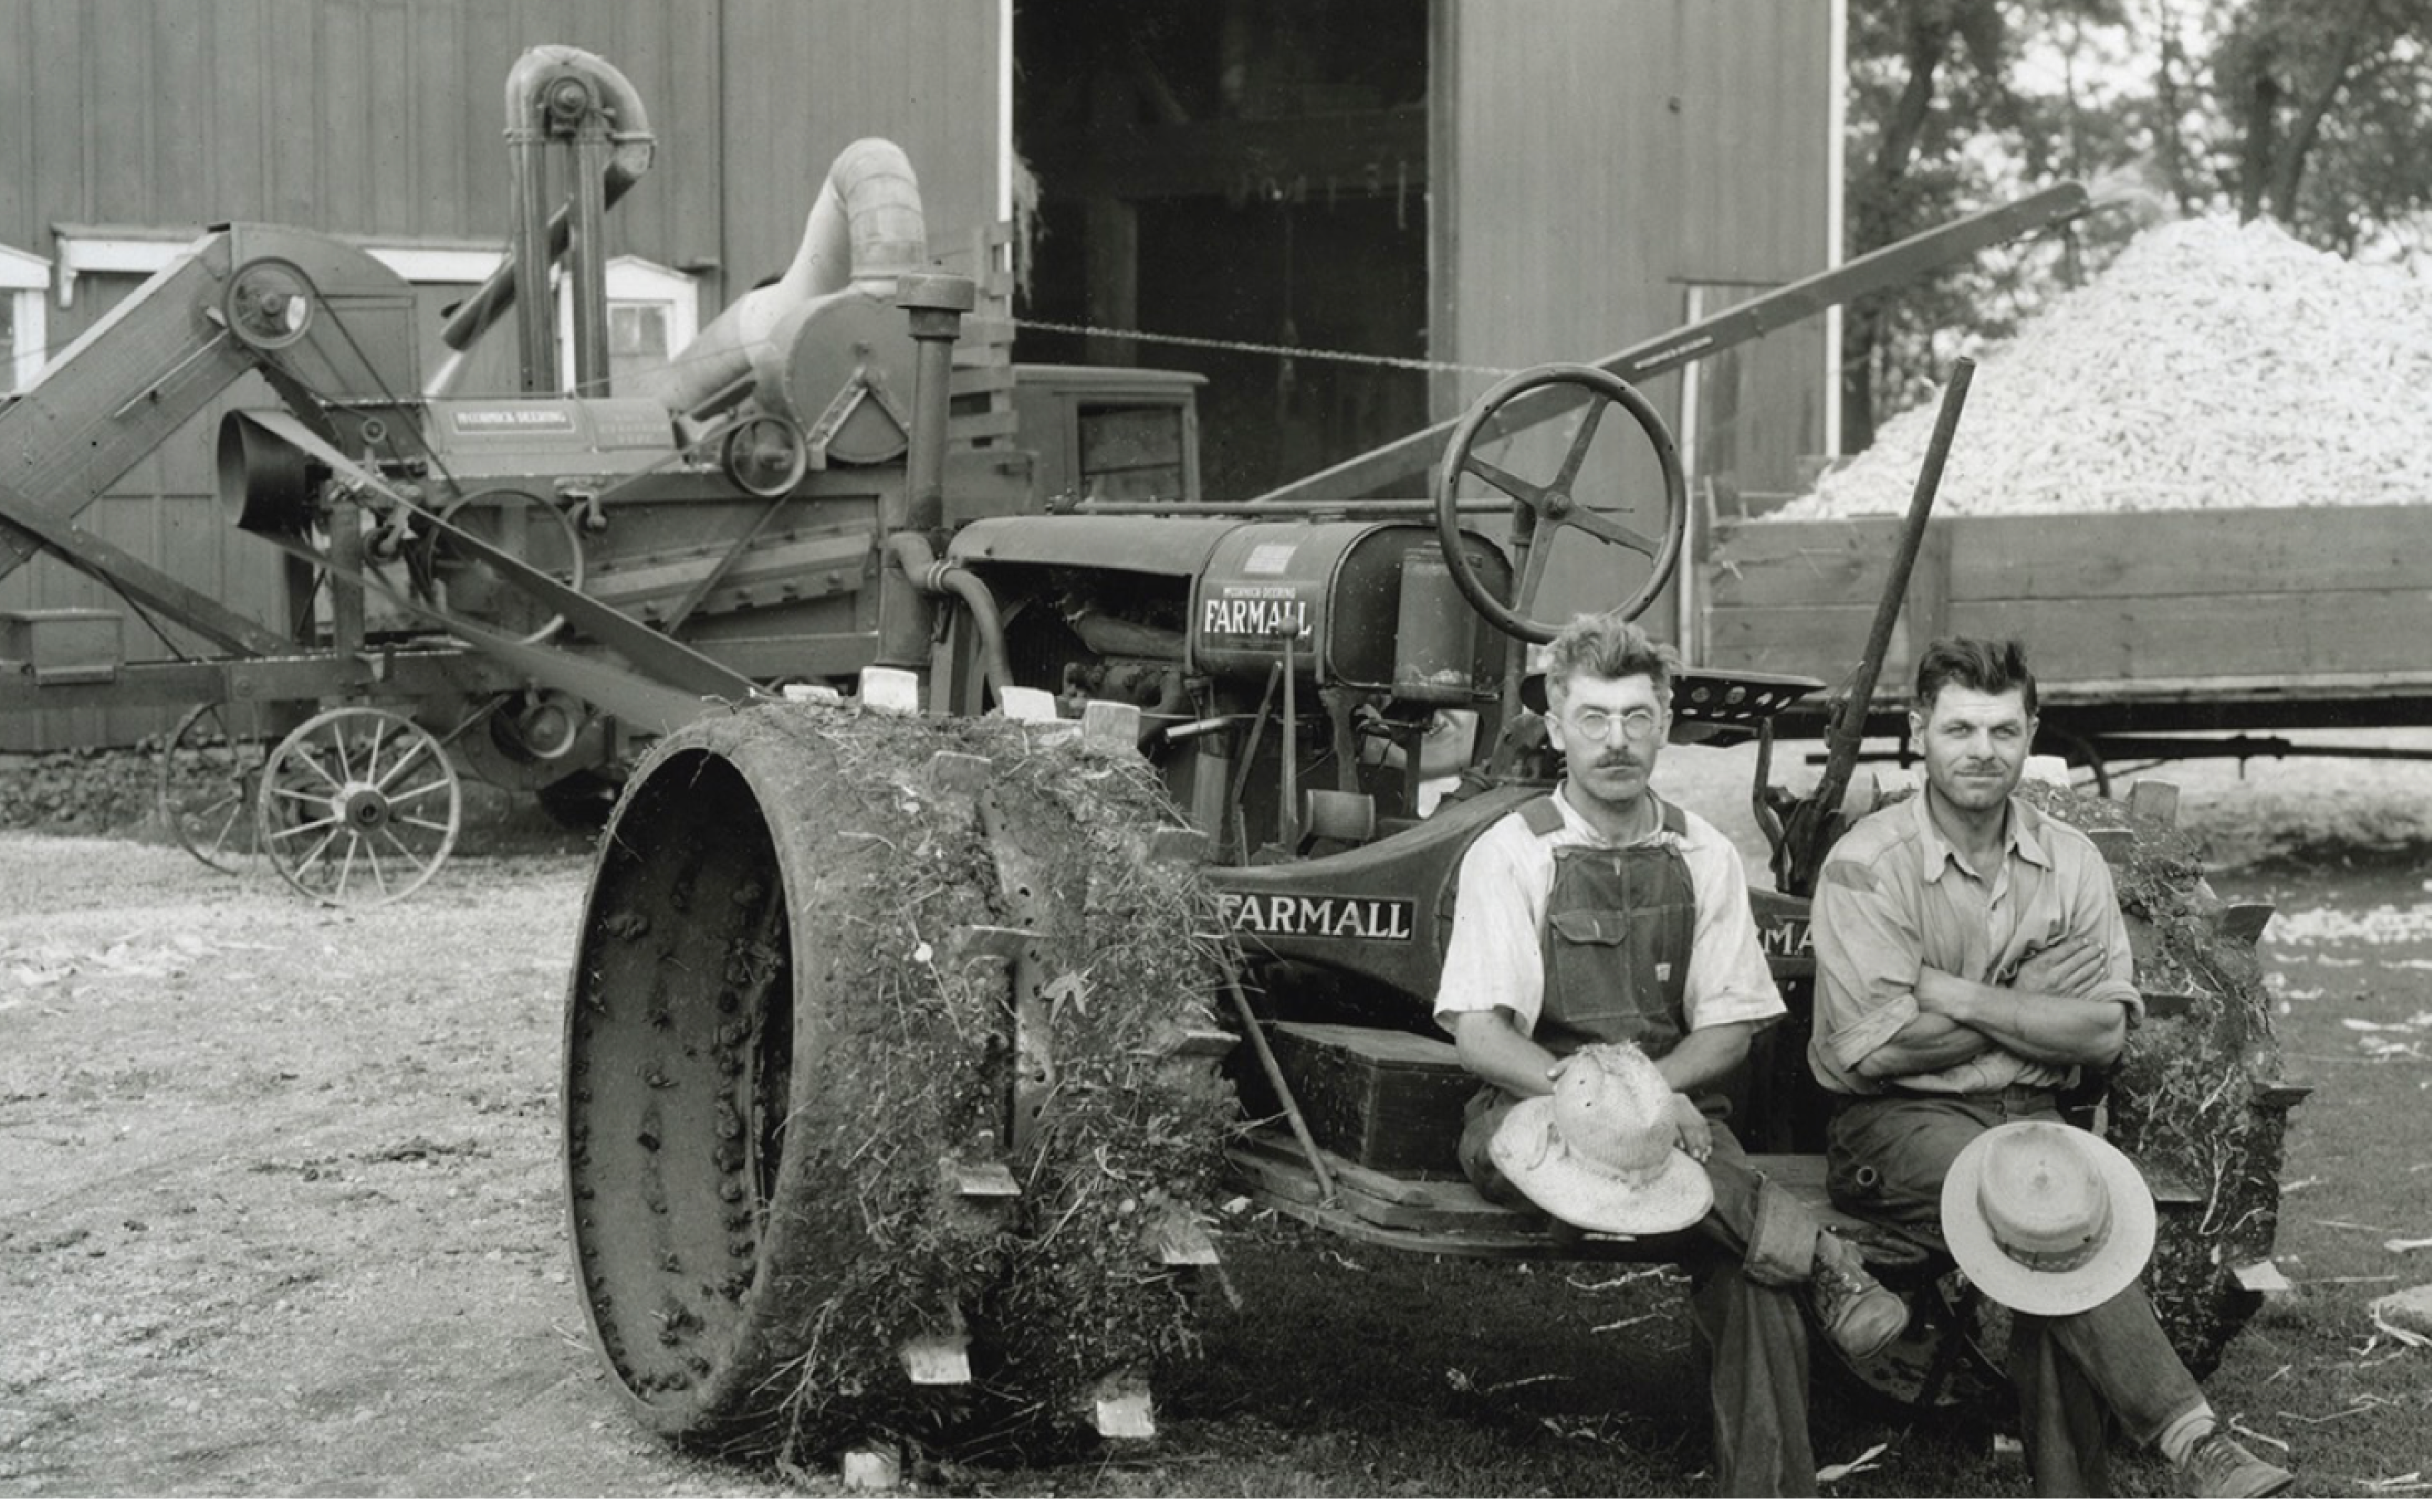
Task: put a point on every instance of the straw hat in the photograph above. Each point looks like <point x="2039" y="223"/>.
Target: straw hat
<point x="2045" y="1218"/>
<point x="1599" y="1151"/>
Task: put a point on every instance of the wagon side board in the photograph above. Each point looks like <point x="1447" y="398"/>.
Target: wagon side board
<point x="2292" y="602"/>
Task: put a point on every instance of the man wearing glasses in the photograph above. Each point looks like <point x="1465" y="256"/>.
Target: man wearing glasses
<point x="1603" y="913"/>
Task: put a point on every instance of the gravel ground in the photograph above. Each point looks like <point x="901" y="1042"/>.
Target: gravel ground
<point x="279" y="1206"/>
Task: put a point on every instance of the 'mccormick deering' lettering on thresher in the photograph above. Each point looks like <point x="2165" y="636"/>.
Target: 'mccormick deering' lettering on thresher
<point x="1360" y="917"/>
<point x="513" y="419"/>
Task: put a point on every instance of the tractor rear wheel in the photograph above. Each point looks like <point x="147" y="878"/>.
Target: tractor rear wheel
<point x="2198" y="1099"/>
<point x="884" y="1083"/>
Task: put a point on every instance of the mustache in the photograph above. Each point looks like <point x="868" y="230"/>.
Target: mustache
<point x="1617" y="762"/>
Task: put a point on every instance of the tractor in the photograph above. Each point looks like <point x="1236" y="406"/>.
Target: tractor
<point x="916" y="1027"/>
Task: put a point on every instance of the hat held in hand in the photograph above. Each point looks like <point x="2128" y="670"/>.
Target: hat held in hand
<point x="1600" y="1152"/>
<point x="2047" y="1219"/>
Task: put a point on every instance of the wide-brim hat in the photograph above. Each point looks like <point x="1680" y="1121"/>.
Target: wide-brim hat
<point x="1598" y="1152"/>
<point x="2046" y="1218"/>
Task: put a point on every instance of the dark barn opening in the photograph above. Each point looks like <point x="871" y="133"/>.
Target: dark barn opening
<point x="1249" y="173"/>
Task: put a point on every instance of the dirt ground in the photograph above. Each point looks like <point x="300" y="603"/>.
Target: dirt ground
<point x="279" y="1204"/>
<point x="279" y="1209"/>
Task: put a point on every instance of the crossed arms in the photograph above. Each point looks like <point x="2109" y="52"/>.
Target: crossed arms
<point x="1894" y="996"/>
<point x="2045" y="1014"/>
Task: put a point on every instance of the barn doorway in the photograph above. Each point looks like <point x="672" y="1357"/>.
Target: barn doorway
<point x="1250" y="175"/>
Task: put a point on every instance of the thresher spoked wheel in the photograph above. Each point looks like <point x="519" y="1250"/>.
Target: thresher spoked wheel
<point x="1540" y="510"/>
<point x="208" y="786"/>
<point x="358" y="806"/>
<point x="887" y="1102"/>
<point x="2197" y="1101"/>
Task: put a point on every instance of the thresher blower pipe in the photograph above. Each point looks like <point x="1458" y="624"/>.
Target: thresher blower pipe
<point x="631" y="149"/>
<point x="864" y="232"/>
<point x="934" y="305"/>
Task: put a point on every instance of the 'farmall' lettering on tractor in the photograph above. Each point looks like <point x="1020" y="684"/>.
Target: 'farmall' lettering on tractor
<point x="1260" y="611"/>
<point x="1372" y="920"/>
<point x="1786" y="937"/>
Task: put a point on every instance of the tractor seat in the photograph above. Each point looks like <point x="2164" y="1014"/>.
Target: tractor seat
<point x="1722" y="708"/>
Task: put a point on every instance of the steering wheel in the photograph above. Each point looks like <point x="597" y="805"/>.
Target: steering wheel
<point x="1539" y="511"/>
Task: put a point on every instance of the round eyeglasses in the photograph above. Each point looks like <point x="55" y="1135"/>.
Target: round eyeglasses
<point x="1632" y="725"/>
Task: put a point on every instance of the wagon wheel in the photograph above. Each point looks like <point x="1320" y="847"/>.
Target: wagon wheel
<point x="358" y="806"/>
<point x="208" y="781"/>
<point x="1539" y="511"/>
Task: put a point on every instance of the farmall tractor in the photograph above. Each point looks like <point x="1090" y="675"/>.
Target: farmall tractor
<point x="907" y="1053"/>
<point x="999" y="880"/>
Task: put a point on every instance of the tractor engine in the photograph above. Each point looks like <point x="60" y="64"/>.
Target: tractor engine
<point x="1299" y="680"/>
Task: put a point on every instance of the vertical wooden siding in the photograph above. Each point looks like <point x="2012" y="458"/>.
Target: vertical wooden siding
<point x="1596" y="159"/>
<point x="1661" y="142"/>
<point x="805" y="81"/>
<point x="385" y="118"/>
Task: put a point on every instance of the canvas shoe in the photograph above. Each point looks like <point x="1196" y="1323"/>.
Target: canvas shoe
<point x="1857" y="1313"/>
<point x="2218" y="1468"/>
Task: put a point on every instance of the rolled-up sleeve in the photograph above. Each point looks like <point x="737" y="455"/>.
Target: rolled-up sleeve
<point x="1492" y="959"/>
<point x="1729" y="980"/>
<point x="2095" y="910"/>
<point x="1868" y="954"/>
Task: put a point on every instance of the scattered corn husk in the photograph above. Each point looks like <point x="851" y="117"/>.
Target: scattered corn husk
<point x="2211" y="365"/>
<point x="2406" y="1316"/>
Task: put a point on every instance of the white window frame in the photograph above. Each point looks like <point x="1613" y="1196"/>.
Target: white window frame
<point x="633" y="281"/>
<point x="24" y="278"/>
<point x="142" y="251"/>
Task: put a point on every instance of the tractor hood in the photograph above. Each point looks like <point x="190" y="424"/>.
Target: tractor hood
<point x="1161" y="546"/>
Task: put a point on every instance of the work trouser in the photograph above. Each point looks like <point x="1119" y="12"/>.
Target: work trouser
<point x="2076" y="1375"/>
<point x="1747" y="1331"/>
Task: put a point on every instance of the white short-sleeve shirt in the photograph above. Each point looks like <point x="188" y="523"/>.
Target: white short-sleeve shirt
<point x="1496" y="957"/>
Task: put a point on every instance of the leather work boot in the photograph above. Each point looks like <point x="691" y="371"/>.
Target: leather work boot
<point x="1857" y="1313"/>
<point x="2217" y="1467"/>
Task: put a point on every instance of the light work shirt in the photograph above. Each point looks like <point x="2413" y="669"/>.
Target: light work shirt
<point x="1496" y="957"/>
<point x="1894" y="897"/>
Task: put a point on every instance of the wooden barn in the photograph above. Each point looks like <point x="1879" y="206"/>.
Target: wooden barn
<point x="1348" y="215"/>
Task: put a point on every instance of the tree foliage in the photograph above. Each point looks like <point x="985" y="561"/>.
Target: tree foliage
<point x="2315" y="113"/>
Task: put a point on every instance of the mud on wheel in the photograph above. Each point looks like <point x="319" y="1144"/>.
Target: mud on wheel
<point x="886" y="1093"/>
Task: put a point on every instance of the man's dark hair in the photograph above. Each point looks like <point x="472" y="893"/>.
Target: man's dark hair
<point x="1986" y="666"/>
